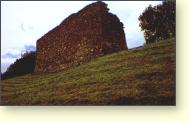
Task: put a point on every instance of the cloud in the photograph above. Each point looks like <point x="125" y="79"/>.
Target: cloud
<point x="22" y="27"/>
<point x="7" y="61"/>
<point x="4" y="67"/>
<point x="10" y="55"/>
<point x="29" y="47"/>
<point x="31" y="28"/>
<point x="26" y="28"/>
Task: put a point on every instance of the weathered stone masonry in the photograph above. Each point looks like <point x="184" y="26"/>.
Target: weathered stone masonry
<point x="84" y="35"/>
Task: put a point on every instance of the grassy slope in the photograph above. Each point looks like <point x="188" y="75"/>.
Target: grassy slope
<point x="132" y="77"/>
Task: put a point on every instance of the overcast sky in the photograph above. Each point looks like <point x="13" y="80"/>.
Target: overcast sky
<point x="24" y="22"/>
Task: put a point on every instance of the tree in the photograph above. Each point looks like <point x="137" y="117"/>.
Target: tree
<point x="158" y="22"/>
<point x="21" y="66"/>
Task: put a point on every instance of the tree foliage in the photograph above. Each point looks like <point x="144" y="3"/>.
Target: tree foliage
<point x="21" y="66"/>
<point x="158" y="22"/>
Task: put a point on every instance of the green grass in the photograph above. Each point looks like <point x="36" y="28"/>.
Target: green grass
<point x="142" y="76"/>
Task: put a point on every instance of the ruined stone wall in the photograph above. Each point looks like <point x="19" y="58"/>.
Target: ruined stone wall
<point x="84" y="35"/>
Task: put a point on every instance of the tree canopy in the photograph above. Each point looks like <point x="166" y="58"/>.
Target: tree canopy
<point x="158" y="22"/>
<point x="21" y="66"/>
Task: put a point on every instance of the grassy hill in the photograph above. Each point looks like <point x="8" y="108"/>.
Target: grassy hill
<point x="142" y="76"/>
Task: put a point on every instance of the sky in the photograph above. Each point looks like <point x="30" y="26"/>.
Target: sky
<point x="24" y="22"/>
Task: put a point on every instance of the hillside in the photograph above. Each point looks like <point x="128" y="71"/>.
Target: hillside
<point x="142" y="76"/>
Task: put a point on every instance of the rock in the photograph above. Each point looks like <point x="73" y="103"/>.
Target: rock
<point x="82" y="36"/>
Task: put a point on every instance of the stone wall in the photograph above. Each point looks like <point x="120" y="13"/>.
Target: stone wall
<point x="84" y="35"/>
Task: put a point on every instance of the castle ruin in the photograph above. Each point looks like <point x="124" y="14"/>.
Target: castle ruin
<point x="81" y="37"/>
